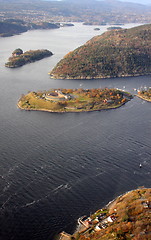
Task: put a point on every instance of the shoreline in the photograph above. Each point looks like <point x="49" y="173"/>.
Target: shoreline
<point x="143" y="98"/>
<point x="80" y="111"/>
<point x="97" y="77"/>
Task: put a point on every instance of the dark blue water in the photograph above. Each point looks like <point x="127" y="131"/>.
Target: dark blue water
<point x="56" y="167"/>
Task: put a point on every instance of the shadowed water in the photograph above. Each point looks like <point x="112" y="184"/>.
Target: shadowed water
<point x="56" y="167"/>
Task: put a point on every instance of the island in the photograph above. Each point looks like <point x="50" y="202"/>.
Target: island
<point x="145" y="94"/>
<point x="96" y="29"/>
<point x="113" y="28"/>
<point x="19" y="58"/>
<point x="126" y="217"/>
<point x="74" y="100"/>
<point x="115" y="53"/>
<point x="66" y="24"/>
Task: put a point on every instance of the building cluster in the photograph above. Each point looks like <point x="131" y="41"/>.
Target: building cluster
<point x="101" y="221"/>
<point x="56" y="95"/>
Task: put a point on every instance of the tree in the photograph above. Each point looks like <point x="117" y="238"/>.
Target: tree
<point x="17" y="52"/>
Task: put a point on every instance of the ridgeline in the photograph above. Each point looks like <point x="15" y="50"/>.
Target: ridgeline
<point x="115" y="53"/>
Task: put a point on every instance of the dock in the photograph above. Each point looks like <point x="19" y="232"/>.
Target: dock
<point x="65" y="236"/>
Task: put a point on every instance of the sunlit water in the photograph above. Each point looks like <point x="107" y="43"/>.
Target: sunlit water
<point x="57" y="167"/>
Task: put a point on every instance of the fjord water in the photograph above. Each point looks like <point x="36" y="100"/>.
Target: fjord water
<point x="57" y="167"/>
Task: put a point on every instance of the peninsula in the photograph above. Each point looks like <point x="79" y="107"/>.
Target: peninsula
<point x="115" y="53"/>
<point x="10" y="27"/>
<point x="126" y="217"/>
<point x="145" y="94"/>
<point x="74" y="100"/>
<point x="19" y="58"/>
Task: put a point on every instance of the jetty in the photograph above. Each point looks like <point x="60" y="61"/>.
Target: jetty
<point x="65" y="236"/>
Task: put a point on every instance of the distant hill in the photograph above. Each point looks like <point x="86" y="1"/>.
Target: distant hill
<point x="76" y="10"/>
<point x="11" y="28"/>
<point x="115" y="53"/>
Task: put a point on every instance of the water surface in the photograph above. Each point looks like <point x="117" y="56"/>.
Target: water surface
<point x="56" y="167"/>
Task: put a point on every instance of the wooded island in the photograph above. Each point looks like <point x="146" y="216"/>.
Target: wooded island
<point x="19" y="58"/>
<point x="74" y="100"/>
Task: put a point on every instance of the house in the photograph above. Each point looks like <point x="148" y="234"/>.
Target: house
<point x="109" y="219"/>
<point x="97" y="228"/>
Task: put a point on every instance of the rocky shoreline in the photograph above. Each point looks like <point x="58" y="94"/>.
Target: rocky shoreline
<point x="73" y="111"/>
<point x="146" y="99"/>
<point x="53" y="76"/>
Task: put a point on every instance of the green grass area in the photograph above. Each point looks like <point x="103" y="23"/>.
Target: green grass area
<point x="98" y="212"/>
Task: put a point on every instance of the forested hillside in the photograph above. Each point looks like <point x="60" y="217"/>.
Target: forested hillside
<point x="115" y="53"/>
